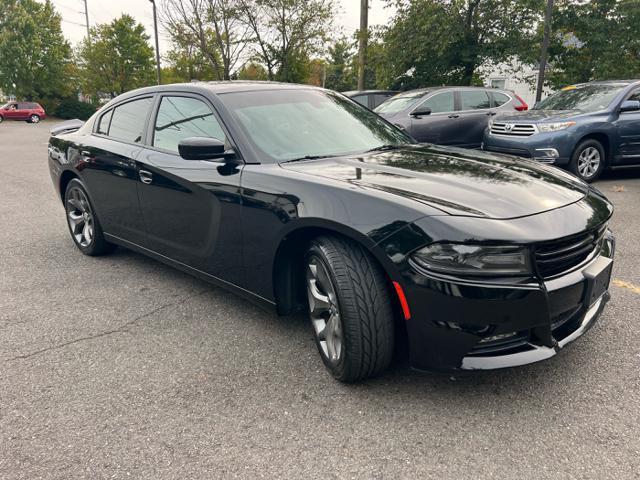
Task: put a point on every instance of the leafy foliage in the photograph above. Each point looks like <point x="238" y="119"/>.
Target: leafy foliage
<point x="598" y="39"/>
<point x="35" y="57"/>
<point x="73" y="108"/>
<point x="117" y="59"/>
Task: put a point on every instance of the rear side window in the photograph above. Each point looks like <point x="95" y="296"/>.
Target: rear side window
<point x="378" y="98"/>
<point x="183" y="117"/>
<point x="23" y="106"/>
<point x="362" y="99"/>
<point x="474" y="100"/>
<point x="440" y="102"/>
<point x="499" y="98"/>
<point x="103" y="124"/>
<point x="127" y="120"/>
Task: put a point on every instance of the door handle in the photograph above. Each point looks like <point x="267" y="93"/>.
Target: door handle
<point x="145" y="177"/>
<point x="491" y="114"/>
<point x="453" y="115"/>
<point x="85" y="155"/>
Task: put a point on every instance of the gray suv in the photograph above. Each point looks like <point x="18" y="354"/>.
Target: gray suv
<point x="449" y="115"/>
<point x="584" y="128"/>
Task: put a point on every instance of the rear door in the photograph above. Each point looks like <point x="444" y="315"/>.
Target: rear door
<point x="191" y="208"/>
<point x="475" y="112"/>
<point x="628" y="128"/>
<point x="441" y="124"/>
<point x="23" y="111"/>
<point x="109" y="170"/>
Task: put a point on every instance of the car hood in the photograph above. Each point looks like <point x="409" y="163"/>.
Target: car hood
<point x="453" y="180"/>
<point x="535" y="116"/>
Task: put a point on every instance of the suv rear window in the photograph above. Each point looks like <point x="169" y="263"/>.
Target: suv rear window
<point x="499" y="98"/>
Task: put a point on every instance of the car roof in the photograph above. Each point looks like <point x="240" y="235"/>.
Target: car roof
<point x="218" y="87"/>
<point x="350" y="93"/>
<point x="621" y="83"/>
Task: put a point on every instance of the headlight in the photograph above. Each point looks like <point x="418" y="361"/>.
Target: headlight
<point x="554" y="127"/>
<point x="460" y="259"/>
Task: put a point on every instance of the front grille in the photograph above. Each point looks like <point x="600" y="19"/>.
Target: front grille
<point x="558" y="256"/>
<point x="513" y="129"/>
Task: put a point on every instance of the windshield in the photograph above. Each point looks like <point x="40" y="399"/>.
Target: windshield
<point x="292" y="124"/>
<point x="399" y="102"/>
<point x="588" y="98"/>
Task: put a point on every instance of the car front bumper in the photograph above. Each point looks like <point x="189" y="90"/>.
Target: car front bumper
<point x="462" y="325"/>
<point x="552" y="147"/>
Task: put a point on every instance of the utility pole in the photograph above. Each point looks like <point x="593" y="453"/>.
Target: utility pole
<point x="155" y="30"/>
<point x="545" y="47"/>
<point x="362" y="42"/>
<point x="86" y="17"/>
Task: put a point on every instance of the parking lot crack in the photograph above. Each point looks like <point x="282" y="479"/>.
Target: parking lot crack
<point x="121" y="329"/>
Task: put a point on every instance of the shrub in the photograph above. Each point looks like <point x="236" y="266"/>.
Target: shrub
<point x="72" y="108"/>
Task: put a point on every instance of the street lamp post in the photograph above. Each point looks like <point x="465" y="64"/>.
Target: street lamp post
<point x="155" y="31"/>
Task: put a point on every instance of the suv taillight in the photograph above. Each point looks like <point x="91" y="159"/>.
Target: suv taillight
<point x="523" y="105"/>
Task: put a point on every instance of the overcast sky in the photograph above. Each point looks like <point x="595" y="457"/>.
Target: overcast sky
<point x="101" y="11"/>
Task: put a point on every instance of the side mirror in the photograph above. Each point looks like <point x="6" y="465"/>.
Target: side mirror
<point x="630" y="106"/>
<point x="418" y="112"/>
<point x="203" y="148"/>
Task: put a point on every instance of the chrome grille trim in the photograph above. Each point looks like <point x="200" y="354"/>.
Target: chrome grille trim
<point x="513" y="129"/>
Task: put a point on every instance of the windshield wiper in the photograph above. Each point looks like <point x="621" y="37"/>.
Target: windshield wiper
<point x="308" y="157"/>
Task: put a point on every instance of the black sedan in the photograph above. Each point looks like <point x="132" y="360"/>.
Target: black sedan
<point x="299" y="198"/>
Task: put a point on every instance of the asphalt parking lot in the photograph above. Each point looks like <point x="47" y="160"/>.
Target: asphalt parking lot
<point x="120" y="367"/>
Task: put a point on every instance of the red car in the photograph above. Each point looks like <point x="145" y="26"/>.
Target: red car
<point x="31" y="112"/>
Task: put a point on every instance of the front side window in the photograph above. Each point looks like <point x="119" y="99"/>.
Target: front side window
<point x="587" y="98"/>
<point x="474" y="100"/>
<point x="440" y="102"/>
<point x="287" y="124"/>
<point x="635" y="95"/>
<point x="183" y="117"/>
<point x="127" y="121"/>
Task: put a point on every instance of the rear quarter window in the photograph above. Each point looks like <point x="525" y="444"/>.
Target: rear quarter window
<point x="499" y="98"/>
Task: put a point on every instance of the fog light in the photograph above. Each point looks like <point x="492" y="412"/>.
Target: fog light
<point x="548" y="152"/>
<point x="501" y="336"/>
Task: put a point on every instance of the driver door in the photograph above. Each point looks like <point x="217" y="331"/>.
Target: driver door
<point x="191" y="208"/>
<point x="628" y="127"/>
<point x="441" y="124"/>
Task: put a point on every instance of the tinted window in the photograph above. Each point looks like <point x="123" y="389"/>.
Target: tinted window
<point x="588" y="98"/>
<point x="362" y="99"/>
<point x="184" y="117"/>
<point x="378" y="98"/>
<point x="400" y="102"/>
<point x="127" y="122"/>
<point x="634" y="96"/>
<point x="23" y="106"/>
<point x="473" y="99"/>
<point x="440" y="102"/>
<point x="499" y="98"/>
<point x="287" y="124"/>
<point x="103" y="124"/>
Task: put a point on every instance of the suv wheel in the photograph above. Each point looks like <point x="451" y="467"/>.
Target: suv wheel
<point x="34" y="118"/>
<point x="350" y="309"/>
<point x="588" y="160"/>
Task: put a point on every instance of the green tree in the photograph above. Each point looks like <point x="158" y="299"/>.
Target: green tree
<point x="36" y="60"/>
<point x="594" y="40"/>
<point x="432" y="42"/>
<point x="186" y="62"/>
<point x="285" y="33"/>
<point x="340" y="73"/>
<point x="117" y="59"/>
<point x="251" y="71"/>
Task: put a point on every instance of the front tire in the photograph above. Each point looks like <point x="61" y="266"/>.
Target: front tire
<point x="588" y="160"/>
<point x="350" y="309"/>
<point x="83" y="222"/>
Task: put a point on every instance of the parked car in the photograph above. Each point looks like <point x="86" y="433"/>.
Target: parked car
<point x="30" y="112"/>
<point x="370" y="98"/>
<point x="449" y="115"/>
<point x="584" y="128"/>
<point x="297" y="198"/>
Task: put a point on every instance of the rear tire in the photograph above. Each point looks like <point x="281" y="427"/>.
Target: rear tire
<point x="34" y="119"/>
<point x="588" y="160"/>
<point x="350" y="309"/>
<point x="83" y="222"/>
<point x="1" y="118"/>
